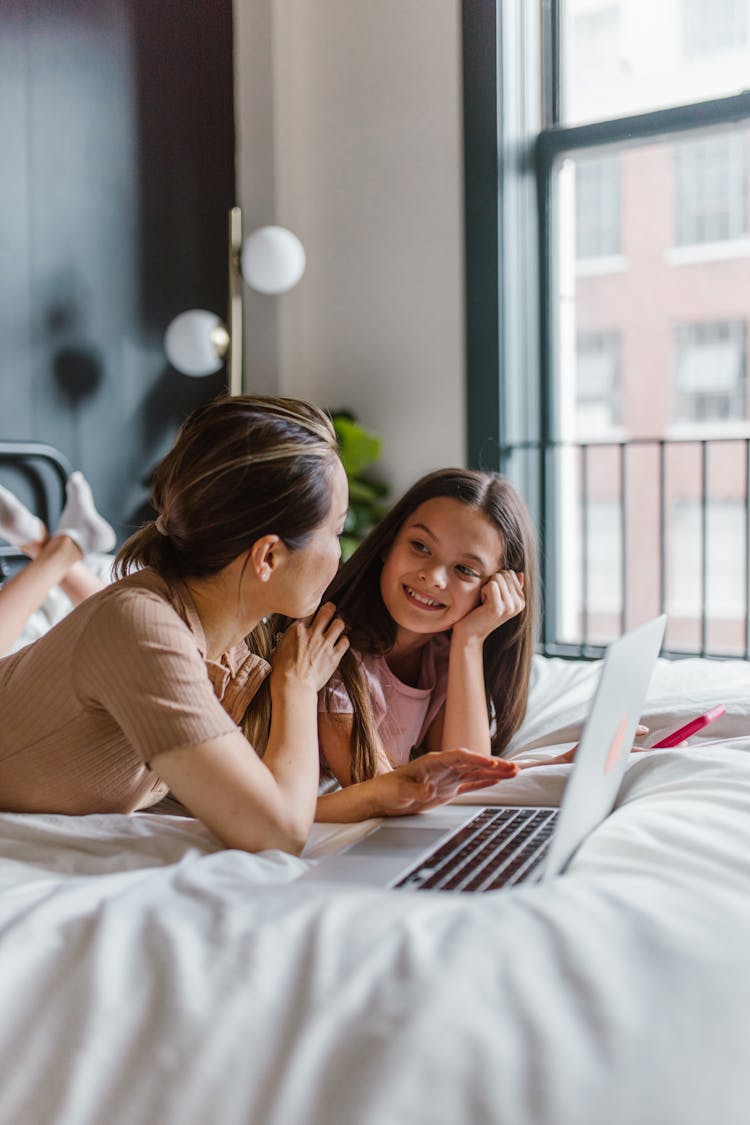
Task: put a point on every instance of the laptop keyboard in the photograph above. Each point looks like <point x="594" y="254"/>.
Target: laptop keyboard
<point x="496" y="848"/>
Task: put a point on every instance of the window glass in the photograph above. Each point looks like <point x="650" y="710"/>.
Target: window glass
<point x="711" y="189"/>
<point x="597" y="207"/>
<point x="632" y="56"/>
<point x="710" y="26"/>
<point x="649" y="346"/>
<point x="654" y="336"/>
<point x="725" y="575"/>
<point x="597" y="382"/>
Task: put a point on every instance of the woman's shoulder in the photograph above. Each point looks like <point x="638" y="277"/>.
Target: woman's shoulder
<point x="143" y="602"/>
<point x="144" y="587"/>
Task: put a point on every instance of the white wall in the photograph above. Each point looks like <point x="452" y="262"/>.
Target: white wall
<point x="349" y="133"/>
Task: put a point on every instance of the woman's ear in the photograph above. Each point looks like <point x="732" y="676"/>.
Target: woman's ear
<point x="265" y="556"/>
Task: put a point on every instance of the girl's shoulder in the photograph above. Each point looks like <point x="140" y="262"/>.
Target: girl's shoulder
<point x="334" y="698"/>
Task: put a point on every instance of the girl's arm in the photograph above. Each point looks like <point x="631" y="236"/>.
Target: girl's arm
<point x="335" y="737"/>
<point x="466" y="722"/>
<point x="422" y="784"/>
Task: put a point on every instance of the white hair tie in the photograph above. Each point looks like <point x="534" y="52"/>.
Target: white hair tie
<point x="161" y="526"/>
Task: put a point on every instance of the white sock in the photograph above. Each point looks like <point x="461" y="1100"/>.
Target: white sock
<point x="80" y="521"/>
<point x="17" y="524"/>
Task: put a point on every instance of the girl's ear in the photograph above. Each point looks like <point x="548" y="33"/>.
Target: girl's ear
<point x="265" y="556"/>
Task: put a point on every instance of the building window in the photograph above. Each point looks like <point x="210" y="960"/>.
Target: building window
<point x="710" y="371"/>
<point x="713" y="25"/>
<point x="597" y="383"/>
<point x="711" y="183"/>
<point x="598" y="207"/>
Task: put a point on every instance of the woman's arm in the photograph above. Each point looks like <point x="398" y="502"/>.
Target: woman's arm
<point x="249" y="803"/>
<point x="253" y="804"/>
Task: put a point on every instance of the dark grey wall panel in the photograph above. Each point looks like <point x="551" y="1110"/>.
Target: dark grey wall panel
<point x="116" y="127"/>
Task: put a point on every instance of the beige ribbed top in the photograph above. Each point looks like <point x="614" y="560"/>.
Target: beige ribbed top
<point x="120" y="680"/>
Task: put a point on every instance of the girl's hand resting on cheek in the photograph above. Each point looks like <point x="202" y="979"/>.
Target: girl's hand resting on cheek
<point x="308" y="653"/>
<point x="435" y="779"/>
<point x="501" y="598"/>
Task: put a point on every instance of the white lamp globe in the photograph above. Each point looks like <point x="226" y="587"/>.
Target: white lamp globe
<point x="195" y="342"/>
<point x="273" y="260"/>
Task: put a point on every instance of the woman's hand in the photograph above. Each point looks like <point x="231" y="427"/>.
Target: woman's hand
<point x="501" y="598"/>
<point x="436" y="778"/>
<point x="308" y="653"/>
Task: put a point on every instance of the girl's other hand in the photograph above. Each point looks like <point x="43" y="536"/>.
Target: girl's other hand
<point x="501" y="598"/>
<point x="569" y="755"/>
<point x="308" y="653"/>
<point x="436" y="778"/>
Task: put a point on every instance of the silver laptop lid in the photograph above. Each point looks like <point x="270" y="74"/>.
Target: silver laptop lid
<point x="602" y="756"/>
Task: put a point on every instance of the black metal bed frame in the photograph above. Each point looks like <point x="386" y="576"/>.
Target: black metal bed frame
<point x="44" y="471"/>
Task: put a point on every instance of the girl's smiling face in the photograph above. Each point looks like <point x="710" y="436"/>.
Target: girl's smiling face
<point x="436" y="567"/>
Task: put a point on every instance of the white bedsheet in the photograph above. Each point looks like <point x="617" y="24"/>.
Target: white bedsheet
<point x="148" y="977"/>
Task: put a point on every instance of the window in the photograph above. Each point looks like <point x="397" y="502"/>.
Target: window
<point x="636" y="56"/>
<point x="597" y="383"/>
<point x="709" y="26"/>
<point x="711" y="183"/>
<point x="710" y="371"/>
<point x="597" y="207"/>
<point x="621" y="270"/>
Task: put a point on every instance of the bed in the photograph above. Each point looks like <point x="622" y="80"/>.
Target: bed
<point x="148" y="976"/>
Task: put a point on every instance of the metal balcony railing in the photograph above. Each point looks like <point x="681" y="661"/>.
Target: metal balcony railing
<point x="634" y="527"/>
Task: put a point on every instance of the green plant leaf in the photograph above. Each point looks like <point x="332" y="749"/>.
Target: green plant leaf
<point x="358" y="447"/>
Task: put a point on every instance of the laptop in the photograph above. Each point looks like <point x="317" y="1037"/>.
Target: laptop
<point x="462" y="848"/>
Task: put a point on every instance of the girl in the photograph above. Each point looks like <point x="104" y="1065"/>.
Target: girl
<point x="56" y="559"/>
<point x="145" y="686"/>
<point x="440" y="605"/>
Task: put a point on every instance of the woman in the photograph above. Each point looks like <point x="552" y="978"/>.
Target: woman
<point x="141" y="689"/>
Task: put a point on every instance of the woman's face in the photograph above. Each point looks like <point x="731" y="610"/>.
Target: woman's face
<point x="438" y="562"/>
<point x="309" y="570"/>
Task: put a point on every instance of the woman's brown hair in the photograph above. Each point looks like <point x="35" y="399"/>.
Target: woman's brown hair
<point x="507" y="651"/>
<point x="241" y="467"/>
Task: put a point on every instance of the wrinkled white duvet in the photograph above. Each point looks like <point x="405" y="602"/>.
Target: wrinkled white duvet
<point x="149" y="978"/>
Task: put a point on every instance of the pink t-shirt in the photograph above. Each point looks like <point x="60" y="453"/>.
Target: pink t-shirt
<point x="403" y="714"/>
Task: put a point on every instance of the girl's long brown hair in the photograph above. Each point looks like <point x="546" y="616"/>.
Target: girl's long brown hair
<point x="507" y="651"/>
<point x="241" y="467"/>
